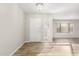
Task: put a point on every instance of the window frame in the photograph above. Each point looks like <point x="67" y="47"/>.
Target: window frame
<point x="60" y="26"/>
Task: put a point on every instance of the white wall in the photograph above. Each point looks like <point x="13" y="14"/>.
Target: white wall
<point x="39" y="27"/>
<point x="74" y="34"/>
<point x="71" y="17"/>
<point x="70" y="14"/>
<point x="12" y="31"/>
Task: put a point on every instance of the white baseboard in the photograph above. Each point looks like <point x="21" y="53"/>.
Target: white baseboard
<point x="66" y="38"/>
<point x="41" y="41"/>
<point x="17" y="48"/>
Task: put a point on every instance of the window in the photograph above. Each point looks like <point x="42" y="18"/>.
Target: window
<point x="64" y="27"/>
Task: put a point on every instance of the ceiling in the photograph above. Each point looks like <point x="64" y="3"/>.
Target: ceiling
<point x="52" y="8"/>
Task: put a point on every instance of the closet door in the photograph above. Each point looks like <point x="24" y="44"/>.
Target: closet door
<point x="41" y="28"/>
<point x="35" y="29"/>
<point x="48" y="29"/>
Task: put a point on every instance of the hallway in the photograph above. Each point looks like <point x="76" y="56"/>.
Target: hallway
<point x="60" y="47"/>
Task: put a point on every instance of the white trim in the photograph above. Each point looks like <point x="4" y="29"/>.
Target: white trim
<point x="17" y="48"/>
<point x="40" y="41"/>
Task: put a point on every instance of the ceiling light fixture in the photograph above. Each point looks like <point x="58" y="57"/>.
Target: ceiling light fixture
<point x="39" y="6"/>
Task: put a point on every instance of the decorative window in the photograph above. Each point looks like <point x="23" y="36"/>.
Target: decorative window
<point x="64" y="27"/>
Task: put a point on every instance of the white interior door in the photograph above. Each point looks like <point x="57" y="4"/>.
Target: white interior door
<point x="41" y="28"/>
<point x="35" y="29"/>
<point x="48" y="29"/>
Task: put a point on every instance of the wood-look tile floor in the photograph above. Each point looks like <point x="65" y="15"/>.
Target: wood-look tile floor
<point x="60" y="47"/>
